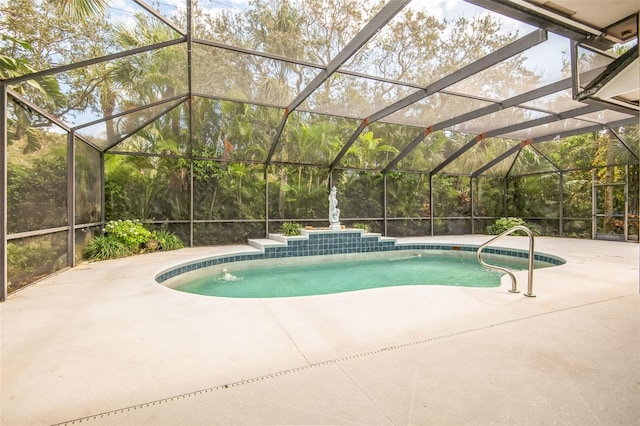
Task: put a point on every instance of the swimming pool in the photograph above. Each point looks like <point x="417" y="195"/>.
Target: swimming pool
<point x="312" y="276"/>
<point x="282" y="266"/>
<point x="317" y="275"/>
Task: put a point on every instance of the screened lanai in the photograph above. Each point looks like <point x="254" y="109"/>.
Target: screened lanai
<point x="221" y="120"/>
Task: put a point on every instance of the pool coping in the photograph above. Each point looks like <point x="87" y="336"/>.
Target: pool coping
<point x="328" y="242"/>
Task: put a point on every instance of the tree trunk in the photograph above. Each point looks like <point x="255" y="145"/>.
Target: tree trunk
<point x="108" y="103"/>
<point x="282" y="195"/>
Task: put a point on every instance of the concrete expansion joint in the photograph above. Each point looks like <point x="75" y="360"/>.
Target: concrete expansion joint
<point x="321" y="364"/>
<point x="268" y="376"/>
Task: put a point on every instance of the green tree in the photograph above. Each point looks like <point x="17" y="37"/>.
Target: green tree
<point x="53" y="39"/>
<point x="408" y="194"/>
<point x="366" y="152"/>
<point x="36" y="194"/>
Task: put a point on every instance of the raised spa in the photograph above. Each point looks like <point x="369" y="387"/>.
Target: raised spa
<point x="340" y="261"/>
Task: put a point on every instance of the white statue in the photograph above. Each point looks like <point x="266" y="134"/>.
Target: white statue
<point x="334" y="211"/>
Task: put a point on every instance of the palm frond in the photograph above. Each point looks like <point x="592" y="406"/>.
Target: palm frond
<point x="84" y="9"/>
<point x="34" y="140"/>
<point x="49" y="87"/>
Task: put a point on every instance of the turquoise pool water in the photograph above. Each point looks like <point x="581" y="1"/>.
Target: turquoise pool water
<point x="333" y="276"/>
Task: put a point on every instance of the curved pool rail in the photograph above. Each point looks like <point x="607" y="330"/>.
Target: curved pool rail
<point x="514" y="285"/>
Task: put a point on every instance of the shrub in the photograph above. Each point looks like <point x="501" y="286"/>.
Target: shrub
<point x="130" y="232"/>
<point x="125" y="237"/>
<point x="167" y="240"/>
<point x="105" y="247"/>
<point x="362" y="226"/>
<point x="505" y="223"/>
<point x="291" y="229"/>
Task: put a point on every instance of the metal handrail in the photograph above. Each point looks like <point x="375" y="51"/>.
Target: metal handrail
<point x="514" y="286"/>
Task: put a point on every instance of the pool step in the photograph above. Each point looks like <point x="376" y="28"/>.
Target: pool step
<point x="279" y="240"/>
<point x="262" y="243"/>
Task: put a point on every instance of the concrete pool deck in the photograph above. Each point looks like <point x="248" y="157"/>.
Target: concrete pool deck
<point x="103" y="343"/>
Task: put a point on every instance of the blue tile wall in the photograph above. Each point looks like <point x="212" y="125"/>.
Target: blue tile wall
<point x="343" y="242"/>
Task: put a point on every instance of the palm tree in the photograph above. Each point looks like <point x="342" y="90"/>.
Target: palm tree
<point x="12" y="66"/>
<point x="84" y="9"/>
<point x="48" y="86"/>
<point x="366" y="154"/>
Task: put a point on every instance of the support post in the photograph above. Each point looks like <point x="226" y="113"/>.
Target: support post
<point x="384" y="201"/>
<point x="561" y="203"/>
<point x="594" y="209"/>
<point x="191" y="197"/>
<point x="266" y="201"/>
<point x="71" y="199"/>
<point x="3" y="193"/>
<point x="190" y="106"/>
<point x="431" y="202"/>
<point x="103" y="195"/>
<point x="626" y="203"/>
<point x="473" y="216"/>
